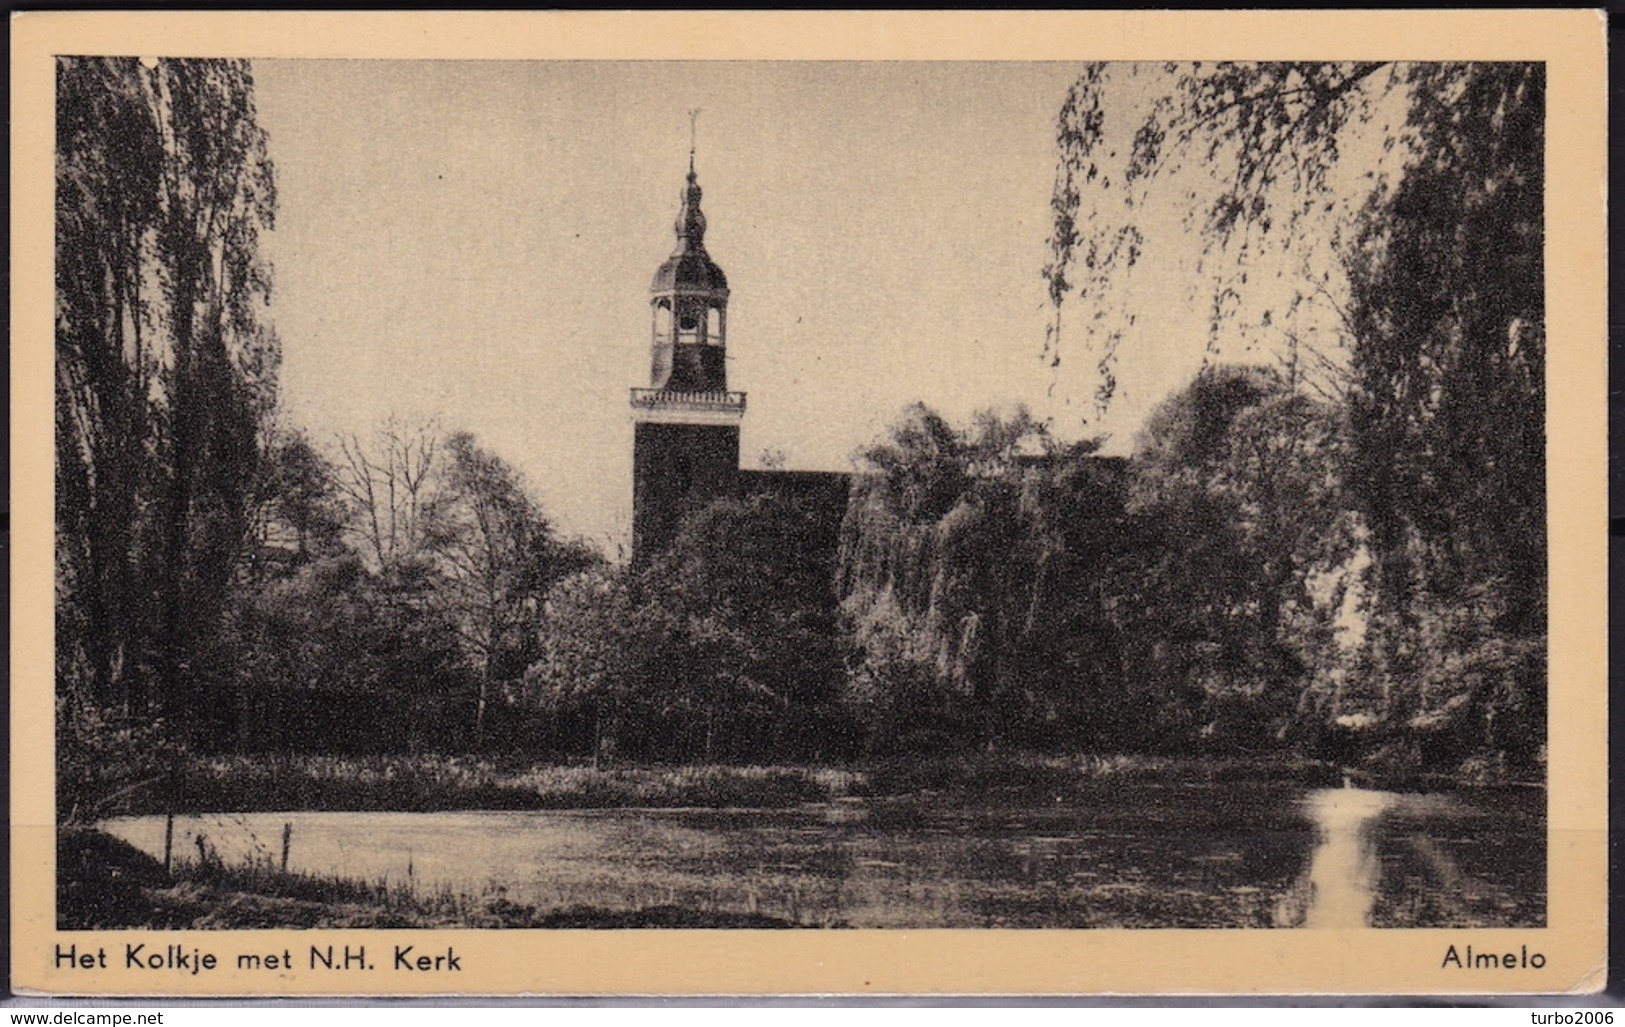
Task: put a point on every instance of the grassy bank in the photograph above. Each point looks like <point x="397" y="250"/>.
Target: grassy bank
<point x="247" y="784"/>
<point x="441" y="783"/>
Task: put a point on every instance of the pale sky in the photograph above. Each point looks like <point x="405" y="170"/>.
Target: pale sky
<point x="475" y="240"/>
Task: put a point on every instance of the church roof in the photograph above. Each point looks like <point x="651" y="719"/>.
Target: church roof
<point x="689" y="271"/>
<point x="689" y="266"/>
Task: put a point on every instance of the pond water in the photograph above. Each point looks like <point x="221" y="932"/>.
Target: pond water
<point x="1124" y="854"/>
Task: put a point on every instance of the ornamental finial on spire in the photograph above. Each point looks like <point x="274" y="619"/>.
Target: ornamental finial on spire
<point x="693" y="132"/>
<point x="690" y="222"/>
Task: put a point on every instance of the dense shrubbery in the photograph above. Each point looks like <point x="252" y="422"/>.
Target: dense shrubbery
<point x="724" y="647"/>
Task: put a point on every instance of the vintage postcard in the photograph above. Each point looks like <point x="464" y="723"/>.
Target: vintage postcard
<point x="786" y="503"/>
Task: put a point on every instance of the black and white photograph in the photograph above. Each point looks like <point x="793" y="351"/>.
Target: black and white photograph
<point x="734" y="495"/>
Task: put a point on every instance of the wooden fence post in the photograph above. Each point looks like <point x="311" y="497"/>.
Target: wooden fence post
<point x="169" y="839"/>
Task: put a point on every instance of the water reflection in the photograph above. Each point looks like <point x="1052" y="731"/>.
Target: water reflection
<point x="1344" y="870"/>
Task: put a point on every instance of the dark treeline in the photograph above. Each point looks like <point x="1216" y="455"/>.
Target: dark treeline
<point x="1347" y="564"/>
<point x="1219" y="592"/>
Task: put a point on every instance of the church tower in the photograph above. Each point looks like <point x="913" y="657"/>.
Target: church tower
<point x="685" y="446"/>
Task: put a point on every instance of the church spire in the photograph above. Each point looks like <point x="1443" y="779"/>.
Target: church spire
<point x="690" y="219"/>
<point x="689" y="297"/>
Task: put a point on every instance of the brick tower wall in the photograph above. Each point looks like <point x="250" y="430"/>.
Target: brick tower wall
<point x="677" y="468"/>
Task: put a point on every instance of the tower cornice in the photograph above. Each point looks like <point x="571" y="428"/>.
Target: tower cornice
<point x="672" y="406"/>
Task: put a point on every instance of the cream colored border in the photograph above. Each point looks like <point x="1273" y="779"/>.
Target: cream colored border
<point x="873" y="962"/>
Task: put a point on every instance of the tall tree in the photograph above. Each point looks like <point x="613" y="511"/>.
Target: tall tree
<point x="748" y="585"/>
<point x="107" y="153"/>
<point x="967" y="578"/>
<point x="496" y="556"/>
<point x="1448" y="315"/>
<point x="1448" y="410"/>
<point x="166" y="374"/>
<point x="603" y="659"/>
<point x="1246" y="535"/>
<point x="1429" y="264"/>
<point x="300" y="515"/>
<point x="449" y="528"/>
<point x="388" y="481"/>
